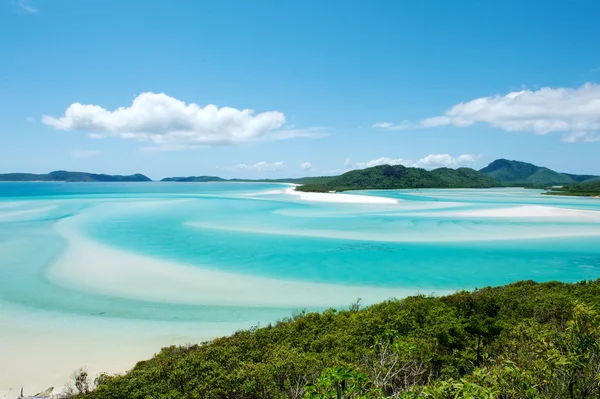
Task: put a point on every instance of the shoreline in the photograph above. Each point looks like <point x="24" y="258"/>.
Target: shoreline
<point x="340" y="197"/>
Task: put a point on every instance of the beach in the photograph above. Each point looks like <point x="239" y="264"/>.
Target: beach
<point x="102" y="281"/>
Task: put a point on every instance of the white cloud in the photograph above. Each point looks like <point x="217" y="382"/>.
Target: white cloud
<point x="25" y="6"/>
<point x="428" y="162"/>
<point x="581" y="137"/>
<point x="384" y="161"/>
<point x="305" y="166"/>
<point x="405" y="125"/>
<point x="347" y="162"/>
<point x="436" y="160"/>
<point x="85" y="153"/>
<point x="171" y="123"/>
<point x="575" y="112"/>
<point x="260" y="166"/>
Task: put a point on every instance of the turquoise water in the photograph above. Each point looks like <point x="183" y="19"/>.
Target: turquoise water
<point x="430" y="241"/>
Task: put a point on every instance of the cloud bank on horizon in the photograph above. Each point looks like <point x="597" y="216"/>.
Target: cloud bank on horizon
<point x="575" y="112"/>
<point x="430" y="161"/>
<point x="172" y="124"/>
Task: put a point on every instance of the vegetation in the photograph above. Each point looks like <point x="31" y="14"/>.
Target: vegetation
<point x="63" y="175"/>
<point x="523" y="340"/>
<point x="299" y="180"/>
<point x="526" y="174"/>
<point x="195" y="179"/>
<point x="399" y="177"/>
<point x="587" y="189"/>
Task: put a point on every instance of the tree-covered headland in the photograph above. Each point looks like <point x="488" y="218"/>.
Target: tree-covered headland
<point x="524" y="340"/>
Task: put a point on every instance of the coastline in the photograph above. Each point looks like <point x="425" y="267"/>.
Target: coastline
<point x="340" y="197"/>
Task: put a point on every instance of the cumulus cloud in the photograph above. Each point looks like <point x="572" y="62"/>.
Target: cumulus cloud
<point x="305" y="166"/>
<point x="384" y="161"/>
<point x="85" y="153"/>
<point x="428" y="162"/>
<point x="260" y="166"/>
<point x="575" y="112"/>
<point x="436" y="160"/>
<point x="168" y="122"/>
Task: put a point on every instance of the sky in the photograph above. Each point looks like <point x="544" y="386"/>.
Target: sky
<point x="265" y="88"/>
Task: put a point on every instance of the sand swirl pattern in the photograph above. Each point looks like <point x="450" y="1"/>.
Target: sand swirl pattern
<point x="152" y="264"/>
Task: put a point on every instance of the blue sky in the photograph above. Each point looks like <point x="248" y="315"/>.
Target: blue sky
<point x="333" y="84"/>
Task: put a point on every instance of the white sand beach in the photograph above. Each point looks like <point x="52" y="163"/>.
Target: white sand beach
<point x="93" y="267"/>
<point x="341" y="197"/>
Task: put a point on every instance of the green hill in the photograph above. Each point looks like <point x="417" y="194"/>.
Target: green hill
<point x="523" y="340"/>
<point x="523" y="173"/>
<point x="63" y="175"/>
<point x="195" y="179"/>
<point x="586" y="189"/>
<point x="401" y="177"/>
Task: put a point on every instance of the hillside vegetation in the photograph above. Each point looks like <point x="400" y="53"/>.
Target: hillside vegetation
<point x="401" y="177"/>
<point x="63" y="175"/>
<point x="523" y="173"/>
<point x="194" y="179"/>
<point x="524" y="340"/>
<point x="587" y="189"/>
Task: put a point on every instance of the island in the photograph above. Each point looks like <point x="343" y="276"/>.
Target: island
<point x="402" y="177"/>
<point x="65" y="176"/>
<point x="194" y="179"/>
<point x="523" y="174"/>
<point x="586" y="189"/>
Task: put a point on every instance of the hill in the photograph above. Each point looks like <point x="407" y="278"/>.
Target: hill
<point x="523" y="173"/>
<point x="586" y="189"/>
<point x="195" y="179"/>
<point x="294" y="180"/>
<point x="523" y="340"/>
<point x="63" y="175"/>
<point x="401" y="177"/>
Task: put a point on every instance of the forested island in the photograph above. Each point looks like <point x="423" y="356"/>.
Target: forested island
<point x="194" y="179"/>
<point x="517" y="173"/>
<point x="523" y="340"/>
<point x="401" y="177"/>
<point x="499" y="173"/>
<point x="65" y="176"/>
<point x="586" y="189"/>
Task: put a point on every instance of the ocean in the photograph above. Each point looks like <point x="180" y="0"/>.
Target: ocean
<point x="103" y="274"/>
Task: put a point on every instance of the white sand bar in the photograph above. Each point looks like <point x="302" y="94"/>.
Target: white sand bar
<point x="341" y="197"/>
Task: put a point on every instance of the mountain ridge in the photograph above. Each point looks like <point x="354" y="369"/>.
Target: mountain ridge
<point x="66" y="176"/>
<point x="524" y="173"/>
<point x="402" y="177"/>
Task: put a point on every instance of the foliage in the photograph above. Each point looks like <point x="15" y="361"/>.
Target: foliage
<point x="401" y="177"/>
<point x="520" y="341"/>
<point x="194" y="179"/>
<point x="587" y="189"/>
<point x="63" y="175"/>
<point x="526" y="174"/>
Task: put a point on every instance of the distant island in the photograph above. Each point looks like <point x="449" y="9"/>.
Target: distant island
<point x="585" y="189"/>
<point x="65" y="176"/>
<point x="195" y="179"/>
<point x="526" y="174"/>
<point x="402" y="177"/>
<point x="499" y="173"/>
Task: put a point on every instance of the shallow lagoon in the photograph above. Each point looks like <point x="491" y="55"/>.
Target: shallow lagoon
<point x="148" y="264"/>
